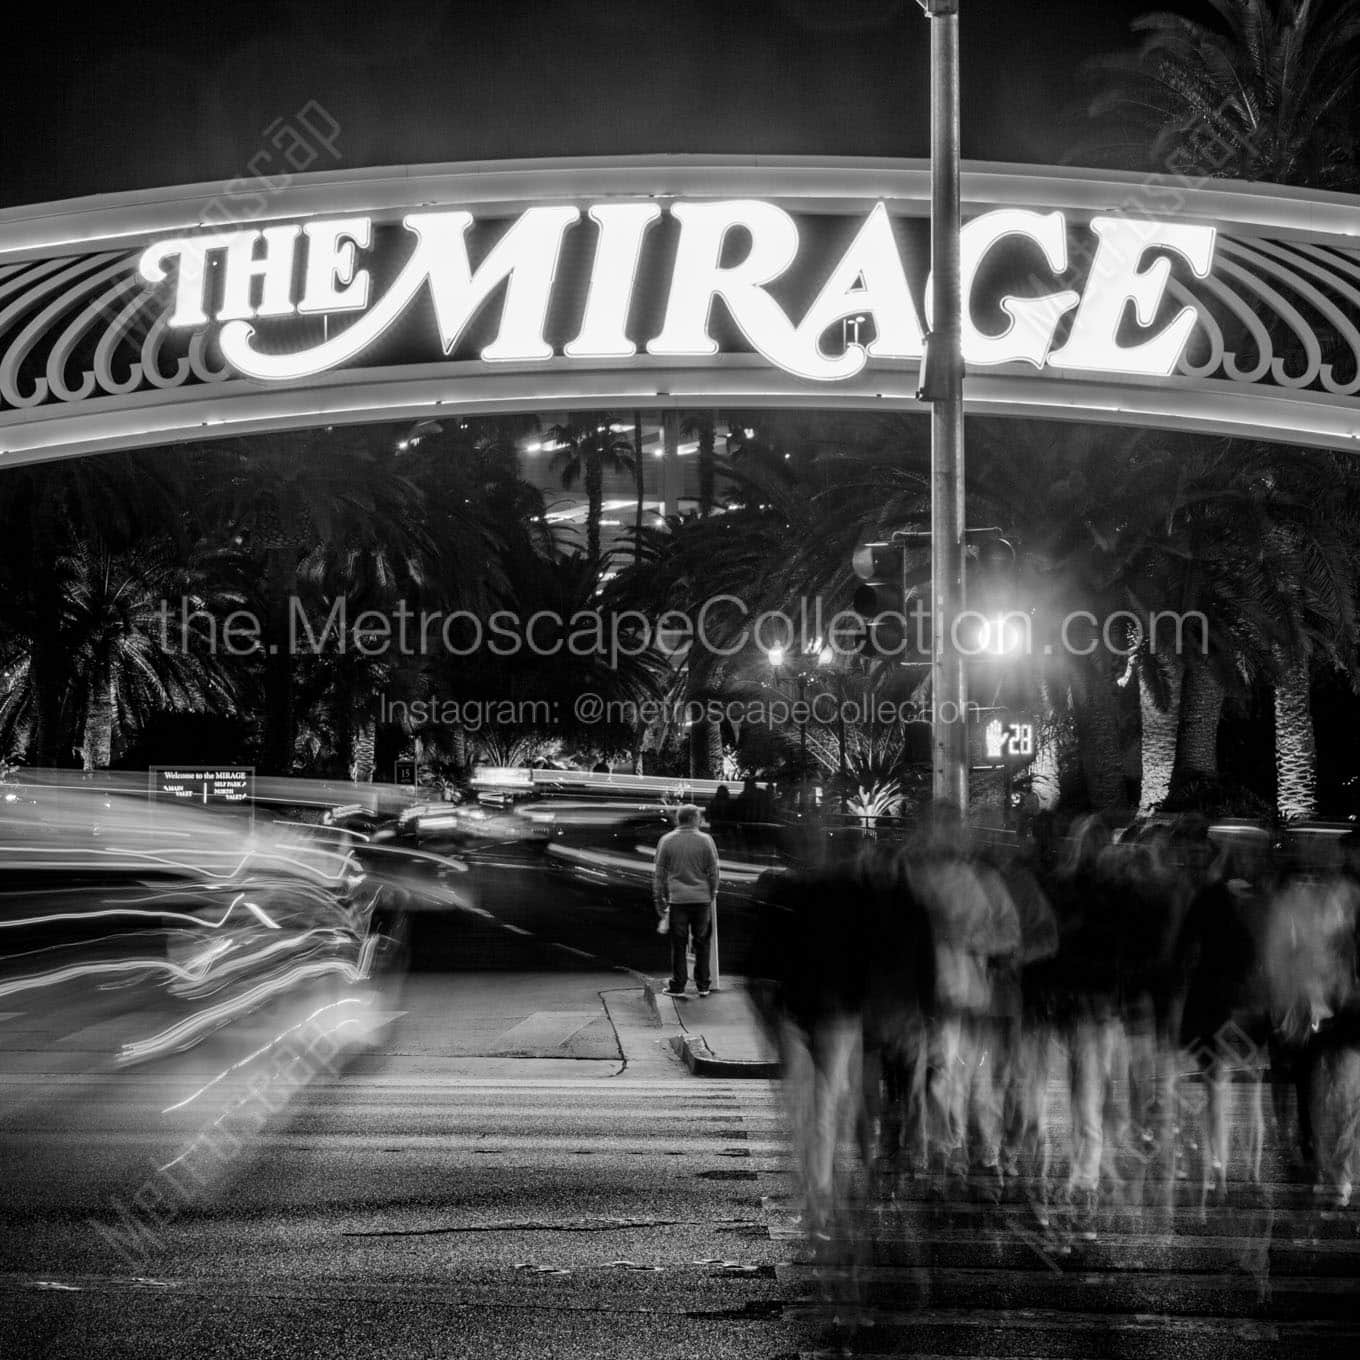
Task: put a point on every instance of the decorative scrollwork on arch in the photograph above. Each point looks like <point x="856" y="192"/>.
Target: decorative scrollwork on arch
<point x="1296" y="304"/>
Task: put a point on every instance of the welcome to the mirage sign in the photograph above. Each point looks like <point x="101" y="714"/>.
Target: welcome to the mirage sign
<point x="737" y="250"/>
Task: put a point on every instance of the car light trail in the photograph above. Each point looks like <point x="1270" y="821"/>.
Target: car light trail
<point x="189" y="1031"/>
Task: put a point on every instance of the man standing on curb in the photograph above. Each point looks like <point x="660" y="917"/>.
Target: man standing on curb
<point x="685" y="884"/>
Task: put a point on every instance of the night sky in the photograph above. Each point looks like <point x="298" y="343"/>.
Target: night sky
<point x="121" y="97"/>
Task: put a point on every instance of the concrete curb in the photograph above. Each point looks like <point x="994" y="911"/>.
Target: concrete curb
<point x="702" y="1062"/>
<point x="694" y="1052"/>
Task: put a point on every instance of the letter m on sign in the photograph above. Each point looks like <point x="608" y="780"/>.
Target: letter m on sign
<point x="524" y="259"/>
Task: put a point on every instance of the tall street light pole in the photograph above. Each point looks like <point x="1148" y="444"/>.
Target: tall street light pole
<point x="943" y="387"/>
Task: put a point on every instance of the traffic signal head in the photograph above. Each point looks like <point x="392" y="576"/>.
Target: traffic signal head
<point x="994" y="575"/>
<point x="893" y="624"/>
<point x="877" y="562"/>
<point x="995" y="557"/>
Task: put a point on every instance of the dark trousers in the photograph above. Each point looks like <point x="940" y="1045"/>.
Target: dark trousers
<point x="691" y="918"/>
<point x="1294" y="1063"/>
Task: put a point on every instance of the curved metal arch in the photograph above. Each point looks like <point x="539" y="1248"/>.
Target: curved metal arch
<point x="88" y="363"/>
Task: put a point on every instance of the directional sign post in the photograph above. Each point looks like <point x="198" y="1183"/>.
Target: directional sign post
<point x="209" y="786"/>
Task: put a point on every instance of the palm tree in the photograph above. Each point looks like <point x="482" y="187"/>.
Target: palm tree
<point x="587" y="450"/>
<point x="125" y="669"/>
<point x="1159" y="705"/>
<point x="322" y="507"/>
<point x="1079" y="506"/>
<point x="476" y="509"/>
<point x="638" y="484"/>
<point x="703" y="428"/>
<point x="1266" y="96"/>
<point x="488" y="524"/>
<point x="136" y="627"/>
<point x="338" y="692"/>
<point x="783" y="537"/>
<point x="529" y="687"/>
<point x="48" y="511"/>
<point x="1309" y="589"/>
<point x="706" y="741"/>
<point x="1266" y="536"/>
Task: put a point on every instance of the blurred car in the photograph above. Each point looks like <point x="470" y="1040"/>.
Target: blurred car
<point x="581" y="821"/>
<point x="467" y="827"/>
<point x="618" y="863"/>
<point x="356" y="817"/>
<point x="189" y="919"/>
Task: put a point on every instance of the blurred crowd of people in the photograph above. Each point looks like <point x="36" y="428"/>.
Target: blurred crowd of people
<point x="1073" y="1022"/>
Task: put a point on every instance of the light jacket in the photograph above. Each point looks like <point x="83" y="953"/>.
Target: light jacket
<point x="686" y="868"/>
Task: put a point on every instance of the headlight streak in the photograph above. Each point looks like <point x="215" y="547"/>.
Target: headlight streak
<point x="310" y="892"/>
<point x="250" y="1057"/>
<point x="255" y="924"/>
<point x="190" y="1030"/>
<point x="215" y="950"/>
<point x="263" y="916"/>
<point x="239" y="862"/>
<point x="134" y="859"/>
<point x="366" y="952"/>
<point x="138" y="914"/>
<point x="90" y="970"/>
<point x="325" y="829"/>
<point x="303" y="944"/>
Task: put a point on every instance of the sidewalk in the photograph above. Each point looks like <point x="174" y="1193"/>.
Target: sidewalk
<point x="719" y="1035"/>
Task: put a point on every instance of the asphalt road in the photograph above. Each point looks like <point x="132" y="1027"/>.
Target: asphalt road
<point x="404" y="1215"/>
<point x="514" y="1165"/>
<point x="583" y="925"/>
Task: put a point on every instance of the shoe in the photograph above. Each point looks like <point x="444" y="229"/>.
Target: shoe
<point x="703" y="991"/>
<point x="1084" y="1207"/>
<point x="988" y="1185"/>
<point x="1038" y="1209"/>
<point x="674" y="991"/>
<point x="1334" y="1196"/>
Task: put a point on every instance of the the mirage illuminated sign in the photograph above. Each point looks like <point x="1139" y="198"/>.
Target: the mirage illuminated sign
<point x="645" y="278"/>
<point x="728" y="283"/>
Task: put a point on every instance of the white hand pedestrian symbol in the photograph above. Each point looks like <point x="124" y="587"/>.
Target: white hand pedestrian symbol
<point x="995" y="737"/>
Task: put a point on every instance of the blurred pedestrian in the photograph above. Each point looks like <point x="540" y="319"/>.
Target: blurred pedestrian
<point x="1087" y="982"/>
<point x="1224" y="1017"/>
<point x="746" y="805"/>
<point x="1310" y="978"/>
<point x="975" y="930"/>
<point x="1026" y="1037"/>
<point x="848" y="951"/>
